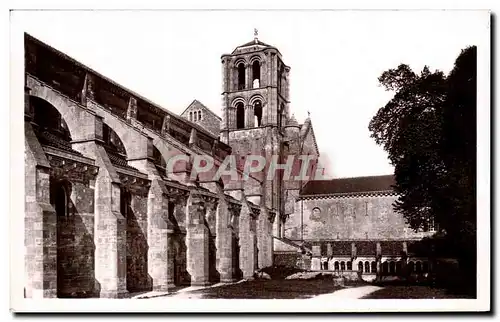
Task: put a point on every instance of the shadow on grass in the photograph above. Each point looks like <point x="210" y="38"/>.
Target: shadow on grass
<point x="398" y="291"/>
<point x="271" y="289"/>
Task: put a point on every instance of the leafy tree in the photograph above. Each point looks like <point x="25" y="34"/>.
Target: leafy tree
<point x="429" y="131"/>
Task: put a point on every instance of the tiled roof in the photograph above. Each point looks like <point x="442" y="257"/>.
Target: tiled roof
<point x="363" y="247"/>
<point x="348" y="185"/>
<point x="366" y="248"/>
<point x="196" y="102"/>
<point x="119" y="161"/>
<point x="342" y="248"/>
<point x="50" y="139"/>
<point x="391" y="247"/>
<point x="254" y="42"/>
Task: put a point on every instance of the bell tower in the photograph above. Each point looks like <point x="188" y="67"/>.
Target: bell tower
<point x="255" y="111"/>
<point x="255" y="88"/>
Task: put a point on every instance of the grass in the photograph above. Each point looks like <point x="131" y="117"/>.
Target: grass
<point x="412" y="292"/>
<point x="271" y="289"/>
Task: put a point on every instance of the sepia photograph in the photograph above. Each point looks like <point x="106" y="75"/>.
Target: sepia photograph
<point x="250" y="160"/>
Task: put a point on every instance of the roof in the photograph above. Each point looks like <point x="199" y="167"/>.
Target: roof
<point x="363" y="247"/>
<point x="255" y="42"/>
<point x="349" y="185"/>
<point x="50" y="139"/>
<point x="196" y="102"/>
<point x="72" y="60"/>
<point x="292" y="121"/>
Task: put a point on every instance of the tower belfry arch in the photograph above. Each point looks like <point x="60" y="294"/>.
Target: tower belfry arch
<point x="256" y="110"/>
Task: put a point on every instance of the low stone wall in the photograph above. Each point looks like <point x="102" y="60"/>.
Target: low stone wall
<point x="348" y="275"/>
<point x="289" y="259"/>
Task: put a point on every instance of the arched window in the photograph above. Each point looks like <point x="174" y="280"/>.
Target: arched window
<point x="199" y="115"/>
<point x="385" y="268"/>
<point x="195" y="116"/>
<point x="342" y="266"/>
<point x="112" y="141"/>
<point x="392" y="267"/>
<point x="240" y="116"/>
<point x="280" y="114"/>
<point x="336" y="265"/>
<point x="425" y="267"/>
<point x="241" y="76"/>
<point x="125" y="203"/>
<point x="256" y="74"/>
<point x="191" y="116"/>
<point x="374" y="267"/>
<point x="411" y="267"/>
<point x="349" y="266"/>
<point x="399" y="267"/>
<point x="48" y="119"/>
<point x="59" y="198"/>
<point x="360" y="267"/>
<point x="418" y="267"/>
<point x="280" y="78"/>
<point x="257" y="111"/>
<point x="159" y="161"/>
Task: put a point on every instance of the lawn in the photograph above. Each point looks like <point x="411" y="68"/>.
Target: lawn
<point x="412" y="292"/>
<point x="271" y="289"/>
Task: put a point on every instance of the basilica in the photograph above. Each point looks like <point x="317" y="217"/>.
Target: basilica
<point x="105" y="216"/>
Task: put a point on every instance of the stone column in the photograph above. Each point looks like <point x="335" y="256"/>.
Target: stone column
<point x="109" y="224"/>
<point x="157" y="232"/>
<point x="282" y="228"/>
<point x="329" y="250"/>
<point x="331" y="264"/>
<point x="248" y="80"/>
<point x="270" y="241"/>
<point x="249" y="116"/>
<point x="404" y="258"/>
<point x="223" y="240"/>
<point x="40" y="221"/>
<point x="197" y="240"/>
<point x="378" y="259"/>
<point x="264" y="238"/>
<point x="170" y="264"/>
<point x="316" y="258"/>
<point x="246" y="240"/>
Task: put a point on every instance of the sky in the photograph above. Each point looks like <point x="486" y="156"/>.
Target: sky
<point x="173" y="57"/>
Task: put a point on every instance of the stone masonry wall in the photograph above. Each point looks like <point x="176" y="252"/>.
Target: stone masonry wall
<point x="348" y="218"/>
<point x="137" y="246"/>
<point x="75" y="245"/>
<point x="208" y="121"/>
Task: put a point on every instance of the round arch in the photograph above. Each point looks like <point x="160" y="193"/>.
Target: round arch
<point x="47" y="117"/>
<point x="134" y="141"/>
<point x="67" y="115"/>
<point x="257" y="98"/>
<point x="239" y="61"/>
<point x="254" y="58"/>
<point x="237" y="100"/>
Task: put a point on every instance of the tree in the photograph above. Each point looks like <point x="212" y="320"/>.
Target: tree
<point x="429" y="131"/>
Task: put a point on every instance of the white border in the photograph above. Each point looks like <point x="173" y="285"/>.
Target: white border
<point x="19" y="304"/>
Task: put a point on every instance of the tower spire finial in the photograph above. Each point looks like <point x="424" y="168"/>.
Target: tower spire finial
<point x="255" y="34"/>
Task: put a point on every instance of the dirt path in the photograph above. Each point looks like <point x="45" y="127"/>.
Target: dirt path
<point x="348" y="293"/>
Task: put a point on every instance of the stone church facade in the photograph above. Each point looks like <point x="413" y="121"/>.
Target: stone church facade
<point x="349" y="224"/>
<point x="106" y="217"/>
